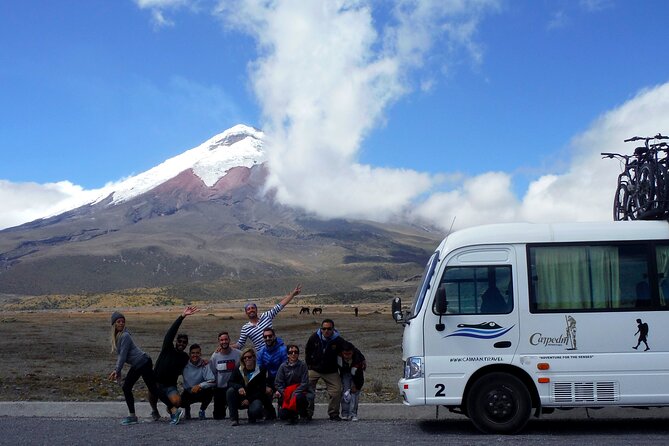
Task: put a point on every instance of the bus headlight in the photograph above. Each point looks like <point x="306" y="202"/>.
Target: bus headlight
<point x="413" y="367"/>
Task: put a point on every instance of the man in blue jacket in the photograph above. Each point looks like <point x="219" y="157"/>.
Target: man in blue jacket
<point x="270" y="358"/>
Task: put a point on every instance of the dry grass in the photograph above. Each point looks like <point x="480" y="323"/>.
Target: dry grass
<point x="64" y="355"/>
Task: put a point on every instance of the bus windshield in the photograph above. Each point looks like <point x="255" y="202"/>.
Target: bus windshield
<point x="424" y="285"/>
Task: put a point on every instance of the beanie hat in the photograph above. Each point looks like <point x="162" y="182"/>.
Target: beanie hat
<point x="248" y="305"/>
<point x="116" y="315"/>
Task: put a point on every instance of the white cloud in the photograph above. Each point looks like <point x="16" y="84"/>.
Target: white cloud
<point x="158" y="8"/>
<point x="325" y="76"/>
<point x="584" y="192"/>
<point x="24" y="202"/>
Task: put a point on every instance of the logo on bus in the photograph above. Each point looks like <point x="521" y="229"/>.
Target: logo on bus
<point x="567" y="339"/>
<point x="484" y="330"/>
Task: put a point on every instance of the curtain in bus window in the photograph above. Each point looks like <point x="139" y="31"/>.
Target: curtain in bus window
<point x="577" y="277"/>
<point x="605" y="276"/>
<point x="662" y="253"/>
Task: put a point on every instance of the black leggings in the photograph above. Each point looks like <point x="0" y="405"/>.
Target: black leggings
<point x="146" y="372"/>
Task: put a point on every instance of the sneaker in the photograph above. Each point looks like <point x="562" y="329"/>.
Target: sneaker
<point x="335" y="418"/>
<point x="176" y="417"/>
<point x="235" y="422"/>
<point x="202" y="415"/>
<point x="155" y="415"/>
<point x="131" y="419"/>
<point x="354" y="418"/>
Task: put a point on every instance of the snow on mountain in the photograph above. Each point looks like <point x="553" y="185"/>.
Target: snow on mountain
<point x="240" y="145"/>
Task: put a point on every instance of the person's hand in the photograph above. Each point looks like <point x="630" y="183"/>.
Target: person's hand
<point x="245" y="403"/>
<point x="277" y="394"/>
<point x="196" y="388"/>
<point x="205" y="361"/>
<point x="268" y="390"/>
<point x="113" y="376"/>
<point x="242" y="392"/>
<point x="191" y="309"/>
<point x="353" y="388"/>
<point x="297" y="290"/>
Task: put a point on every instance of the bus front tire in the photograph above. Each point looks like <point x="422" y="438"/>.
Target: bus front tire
<point x="499" y="403"/>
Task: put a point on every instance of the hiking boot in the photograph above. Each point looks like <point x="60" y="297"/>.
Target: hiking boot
<point x="130" y="419"/>
<point x="155" y="415"/>
<point x="235" y="422"/>
<point x="176" y="417"/>
<point x="202" y="415"/>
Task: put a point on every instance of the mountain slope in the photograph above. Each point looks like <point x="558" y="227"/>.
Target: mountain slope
<point x="204" y="227"/>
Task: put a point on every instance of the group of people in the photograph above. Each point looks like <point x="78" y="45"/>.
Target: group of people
<point x="247" y="375"/>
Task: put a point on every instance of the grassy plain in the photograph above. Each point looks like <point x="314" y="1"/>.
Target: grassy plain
<point x="64" y="355"/>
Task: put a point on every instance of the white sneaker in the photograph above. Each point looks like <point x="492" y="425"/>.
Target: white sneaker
<point x="353" y="418"/>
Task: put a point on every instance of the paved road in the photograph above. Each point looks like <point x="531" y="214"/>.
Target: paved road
<point x="382" y="424"/>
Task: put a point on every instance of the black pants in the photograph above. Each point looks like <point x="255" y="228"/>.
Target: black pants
<point x="203" y="397"/>
<point x="256" y="408"/>
<point x="302" y="405"/>
<point x="146" y="373"/>
<point x="220" y="402"/>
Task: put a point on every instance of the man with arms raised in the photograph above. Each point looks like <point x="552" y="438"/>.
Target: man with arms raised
<point x="252" y="330"/>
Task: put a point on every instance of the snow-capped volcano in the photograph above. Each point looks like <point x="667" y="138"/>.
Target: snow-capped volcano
<point x="239" y="146"/>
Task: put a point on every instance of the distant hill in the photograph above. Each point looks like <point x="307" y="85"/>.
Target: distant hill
<point x="199" y="226"/>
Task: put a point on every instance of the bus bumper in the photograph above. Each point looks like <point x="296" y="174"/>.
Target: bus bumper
<point x="412" y="391"/>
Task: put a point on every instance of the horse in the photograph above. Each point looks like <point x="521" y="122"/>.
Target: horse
<point x="318" y="310"/>
<point x="304" y="310"/>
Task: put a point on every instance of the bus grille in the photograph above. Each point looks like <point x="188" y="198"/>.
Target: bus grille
<point x="584" y="392"/>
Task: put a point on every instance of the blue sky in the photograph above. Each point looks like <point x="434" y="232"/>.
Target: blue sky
<point x="481" y="110"/>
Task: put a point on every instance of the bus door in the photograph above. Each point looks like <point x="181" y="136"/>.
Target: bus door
<point x="481" y="324"/>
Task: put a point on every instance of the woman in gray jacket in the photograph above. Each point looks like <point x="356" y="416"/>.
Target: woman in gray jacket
<point x="292" y="387"/>
<point x="140" y="365"/>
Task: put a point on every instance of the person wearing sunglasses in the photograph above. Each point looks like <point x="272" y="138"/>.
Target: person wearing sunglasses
<point x="247" y="389"/>
<point x="169" y="365"/>
<point x="292" y="387"/>
<point x="270" y="357"/>
<point x="321" y="354"/>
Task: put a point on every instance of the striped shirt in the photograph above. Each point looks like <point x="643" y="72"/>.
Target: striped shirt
<point x="254" y="332"/>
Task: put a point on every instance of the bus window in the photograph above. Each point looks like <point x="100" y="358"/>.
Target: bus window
<point x="478" y="289"/>
<point x="662" y="261"/>
<point x="589" y="277"/>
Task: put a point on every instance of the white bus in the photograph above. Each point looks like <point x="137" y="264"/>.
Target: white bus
<point x="515" y="319"/>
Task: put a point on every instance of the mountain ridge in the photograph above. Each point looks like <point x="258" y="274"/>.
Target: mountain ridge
<point x="217" y="236"/>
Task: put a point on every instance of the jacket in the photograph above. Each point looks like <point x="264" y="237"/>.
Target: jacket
<point x="255" y="385"/>
<point x="289" y="374"/>
<point x="270" y="358"/>
<point x="321" y="354"/>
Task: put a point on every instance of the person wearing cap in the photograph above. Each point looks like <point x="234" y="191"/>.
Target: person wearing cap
<point x="169" y="365"/>
<point x="140" y="365"/>
<point x="253" y="329"/>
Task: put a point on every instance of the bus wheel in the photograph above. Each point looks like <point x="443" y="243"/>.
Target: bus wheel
<point x="499" y="403"/>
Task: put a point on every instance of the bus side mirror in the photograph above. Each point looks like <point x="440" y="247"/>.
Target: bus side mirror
<point x="441" y="304"/>
<point x="397" y="310"/>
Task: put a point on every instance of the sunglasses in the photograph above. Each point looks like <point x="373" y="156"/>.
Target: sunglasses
<point x="268" y="336"/>
<point x="247" y="358"/>
<point x="293" y="352"/>
<point x="326" y="328"/>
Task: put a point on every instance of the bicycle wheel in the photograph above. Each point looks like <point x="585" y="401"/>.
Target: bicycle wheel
<point x="645" y="192"/>
<point x="621" y="202"/>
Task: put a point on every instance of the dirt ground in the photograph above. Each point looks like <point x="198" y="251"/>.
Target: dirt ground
<point x="65" y="355"/>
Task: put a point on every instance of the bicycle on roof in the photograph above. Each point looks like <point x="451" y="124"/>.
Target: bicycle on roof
<point x="642" y="190"/>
